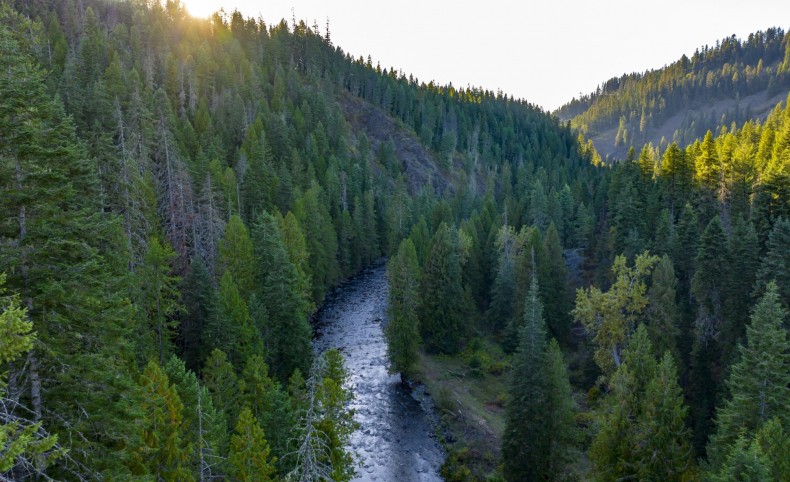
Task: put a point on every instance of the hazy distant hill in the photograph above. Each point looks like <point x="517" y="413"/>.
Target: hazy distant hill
<point x="733" y="81"/>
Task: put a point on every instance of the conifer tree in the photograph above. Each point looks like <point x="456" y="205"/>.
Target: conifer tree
<point x="25" y="447"/>
<point x="502" y="310"/>
<point x="662" y="312"/>
<point x="61" y="255"/>
<point x="236" y="256"/>
<point x="776" y="263"/>
<point x="249" y="451"/>
<point x="200" y="309"/>
<point x="553" y="277"/>
<point x="665" y="451"/>
<point x="745" y="462"/>
<point x="774" y="442"/>
<point x="442" y="322"/>
<point x="204" y="428"/>
<point x="220" y="379"/>
<point x="402" y="330"/>
<point x="295" y="243"/>
<point x="278" y="289"/>
<point x="539" y="414"/>
<point x="268" y="403"/>
<point x="166" y="452"/>
<point x="159" y="299"/>
<point x="759" y="382"/>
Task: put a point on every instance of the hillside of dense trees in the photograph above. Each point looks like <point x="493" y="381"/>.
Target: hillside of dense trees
<point x="734" y="81"/>
<point x="179" y="195"/>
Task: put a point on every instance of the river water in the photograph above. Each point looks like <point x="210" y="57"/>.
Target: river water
<point x="395" y="439"/>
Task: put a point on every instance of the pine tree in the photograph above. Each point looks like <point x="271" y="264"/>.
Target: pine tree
<point x="553" y="277"/>
<point x="220" y="379"/>
<point x="236" y="256"/>
<point x="166" y="452"/>
<point x="295" y="243"/>
<point x="560" y="414"/>
<point x="200" y="309"/>
<point x="664" y="442"/>
<point x="759" y="381"/>
<point x="249" y="451"/>
<point x="402" y="329"/>
<point x="289" y="334"/>
<point x="442" y="322"/>
<point x="268" y="403"/>
<point x="539" y="414"/>
<point x="774" y="441"/>
<point x="204" y="428"/>
<point x="25" y="447"/>
<point x="60" y="253"/>
<point x="662" y="312"/>
<point x="232" y="330"/>
<point x="313" y="216"/>
<point x="159" y="299"/>
<point x="615" y="451"/>
<point x="502" y="311"/>
<point x="745" y="462"/>
<point x="776" y="263"/>
<point x="743" y="262"/>
<point x="707" y="286"/>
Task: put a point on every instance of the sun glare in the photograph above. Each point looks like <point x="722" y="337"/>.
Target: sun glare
<point x="201" y="8"/>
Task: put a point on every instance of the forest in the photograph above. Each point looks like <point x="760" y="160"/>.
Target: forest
<point x="729" y="83"/>
<point x="179" y="195"/>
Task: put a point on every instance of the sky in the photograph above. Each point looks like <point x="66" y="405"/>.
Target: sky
<point x="546" y="52"/>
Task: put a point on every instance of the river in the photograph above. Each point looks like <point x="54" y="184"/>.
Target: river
<point x="395" y="439"/>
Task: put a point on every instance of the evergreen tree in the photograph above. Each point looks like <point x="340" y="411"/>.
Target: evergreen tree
<point x="249" y="452"/>
<point x="539" y="414"/>
<point x="662" y="312"/>
<point x="166" y="453"/>
<point x="268" y="403"/>
<point x="204" y="428"/>
<point x="664" y="442"/>
<point x="560" y="414"/>
<point x="288" y="334"/>
<point x="25" y="447"/>
<point x="775" y="444"/>
<point x="442" y="317"/>
<point x="159" y="299"/>
<point x="759" y="382"/>
<point x="502" y="311"/>
<point x="745" y="462"/>
<point x="776" y="263"/>
<point x="220" y="379"/>
<point x="61" y="255"/>
<point x="200" y="309"/>
<point x="236" y="256"/>
<point x="402" y="329"/>
<point x="553" y="277"/>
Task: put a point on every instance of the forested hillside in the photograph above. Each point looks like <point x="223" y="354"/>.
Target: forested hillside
<point x="734" y="81"/>
<point x="179" y="195"/>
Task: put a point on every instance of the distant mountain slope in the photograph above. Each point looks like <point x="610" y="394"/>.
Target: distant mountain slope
<point x="734" y="81"/>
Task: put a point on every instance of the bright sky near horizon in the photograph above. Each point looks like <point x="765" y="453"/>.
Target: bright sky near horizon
<point x="545" y="52"/>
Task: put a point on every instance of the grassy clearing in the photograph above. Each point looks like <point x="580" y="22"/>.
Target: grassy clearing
<point x="470" y="390"/>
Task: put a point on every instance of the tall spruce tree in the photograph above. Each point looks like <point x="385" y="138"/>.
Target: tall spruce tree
<point x="759" y="382"/>
<point x="402" y="330"/>
<point x="278" y="289"/>
<point x="442" y="318"/>
<point x="249" y="459"/>
<point x="61" y="254"/>
<point x="539" y="414"/>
